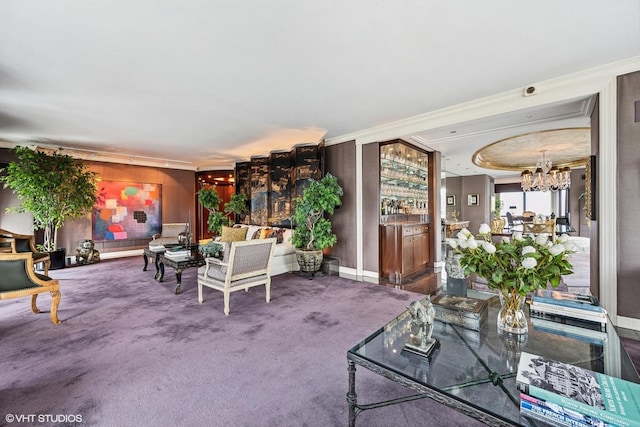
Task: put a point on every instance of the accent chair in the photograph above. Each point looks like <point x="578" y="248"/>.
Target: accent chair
<point x="18" y="279"/>
<point x="245" y="264"/>
<point x="24" y="243"/>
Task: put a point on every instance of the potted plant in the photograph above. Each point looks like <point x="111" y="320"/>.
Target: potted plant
<point x="210" y="200"/>
<point x="312" y="232"/>
<point x="53" y="188"/>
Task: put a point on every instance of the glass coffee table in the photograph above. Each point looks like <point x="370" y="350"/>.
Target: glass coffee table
<point x="474" y="371"/>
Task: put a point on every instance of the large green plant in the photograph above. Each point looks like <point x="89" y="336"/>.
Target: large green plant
<point x="210" y="200"/>
<point x="52" y="187"/>
<point x="312" y="229"/>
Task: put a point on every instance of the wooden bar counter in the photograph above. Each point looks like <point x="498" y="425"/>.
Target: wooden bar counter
<point x="404" y="248"/>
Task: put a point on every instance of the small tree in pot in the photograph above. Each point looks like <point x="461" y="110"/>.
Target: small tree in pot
<point x="53" y="188"/>
<point x="210" y="200"/>
<point x="312" y="232"/>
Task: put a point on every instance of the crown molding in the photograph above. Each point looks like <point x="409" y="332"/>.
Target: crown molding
<point x="582" y="83"/>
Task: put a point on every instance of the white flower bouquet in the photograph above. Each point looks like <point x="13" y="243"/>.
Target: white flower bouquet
<point x="516" y="265"/>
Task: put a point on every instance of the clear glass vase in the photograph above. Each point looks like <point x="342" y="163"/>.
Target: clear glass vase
<point x="511" y="316"/>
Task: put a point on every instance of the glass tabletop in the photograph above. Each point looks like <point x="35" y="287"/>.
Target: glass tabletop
<point x="478" y="368"/>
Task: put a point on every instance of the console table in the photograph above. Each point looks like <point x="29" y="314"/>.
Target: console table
<point x="474" y="371"/>
<point x="451" y="226"/>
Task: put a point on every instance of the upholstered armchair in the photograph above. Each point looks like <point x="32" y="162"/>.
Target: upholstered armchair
<point x="17" y="279"/>
<point x="170" y="233"/>
<point x="23" y="243"/>
<point x="245" y="264"/>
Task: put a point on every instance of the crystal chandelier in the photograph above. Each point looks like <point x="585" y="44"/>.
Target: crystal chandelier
<point x="546" y="177"/>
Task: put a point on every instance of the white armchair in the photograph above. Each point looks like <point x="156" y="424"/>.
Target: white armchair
<point x="246" y="264"/>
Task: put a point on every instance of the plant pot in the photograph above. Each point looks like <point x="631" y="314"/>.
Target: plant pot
<point x="58" y="259"/>
<point x="309" y="261"/>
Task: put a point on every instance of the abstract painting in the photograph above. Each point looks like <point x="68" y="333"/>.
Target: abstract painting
<point x="127" y="210"/>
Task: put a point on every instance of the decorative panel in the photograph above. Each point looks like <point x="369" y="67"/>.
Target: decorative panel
<point x="307" y="165"/>
<point x="243" y="186"/>
<point x="280" y="188"/>
<point x="259" y="190"/>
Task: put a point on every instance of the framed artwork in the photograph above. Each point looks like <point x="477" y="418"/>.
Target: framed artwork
<point x="473" y="199"/>
<point x="590" y="189"/>
<point x="451" y="200"/>
<point x="127" y="210"/>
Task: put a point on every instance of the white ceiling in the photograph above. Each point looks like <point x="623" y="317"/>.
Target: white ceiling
<point x="205" y="83"/>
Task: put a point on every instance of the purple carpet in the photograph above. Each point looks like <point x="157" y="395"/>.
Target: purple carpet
<point x="130" y="352"/>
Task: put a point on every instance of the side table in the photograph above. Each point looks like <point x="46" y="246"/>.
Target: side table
<point x="155" y="256"/>
<point x="179" y="266"/>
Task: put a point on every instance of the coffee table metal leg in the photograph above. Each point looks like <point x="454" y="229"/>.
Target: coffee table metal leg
<point x="146" y="262"/>
<point x="352" y="397"/>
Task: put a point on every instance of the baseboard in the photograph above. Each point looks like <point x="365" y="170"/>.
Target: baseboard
<point x="121" y="254"/>
<point x="628" y="323"/>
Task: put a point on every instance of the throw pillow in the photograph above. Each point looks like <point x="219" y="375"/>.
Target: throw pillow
<point x="278" y="233"/>
<point x="259" y="233"/>
<point x="264" y="233"/>
<point x="230" y="234"/>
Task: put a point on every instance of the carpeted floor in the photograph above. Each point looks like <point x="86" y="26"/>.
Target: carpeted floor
<point x="130" y="352"/>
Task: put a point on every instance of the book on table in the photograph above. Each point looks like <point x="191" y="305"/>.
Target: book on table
<point x="461" y="310"/>
<point x="582" y="323"/>
<point x="541" y="410"/>
<point x="593" y="336"/>
<point x="605" y="398"/>
<point x="567" y="299"/>
<point x="156" y="248"/>
<point x="567" y="312"/>
<point x="177" y="255"/>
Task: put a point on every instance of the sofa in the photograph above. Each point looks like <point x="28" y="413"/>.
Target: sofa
<point x="284" y="255"/>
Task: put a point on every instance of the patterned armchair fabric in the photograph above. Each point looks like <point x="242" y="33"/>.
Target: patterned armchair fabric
<point x="17" y="279"/>
<point x="245" y="264"/>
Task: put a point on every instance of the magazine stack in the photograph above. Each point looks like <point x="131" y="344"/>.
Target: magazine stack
<point x="154" y="247"/>
<point x="568" y="308"/>
<point x="178" y="254"/>
<point x="591" y="336"/>
<point x="567" y="395"/>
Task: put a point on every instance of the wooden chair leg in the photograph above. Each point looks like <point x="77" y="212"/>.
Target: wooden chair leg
<point x="55" y="300"/>
<point x="34" y="306"/>
<point x="47" y="264"/>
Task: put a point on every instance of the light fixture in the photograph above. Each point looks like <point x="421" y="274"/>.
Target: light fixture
<point x="546" y="177"/>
